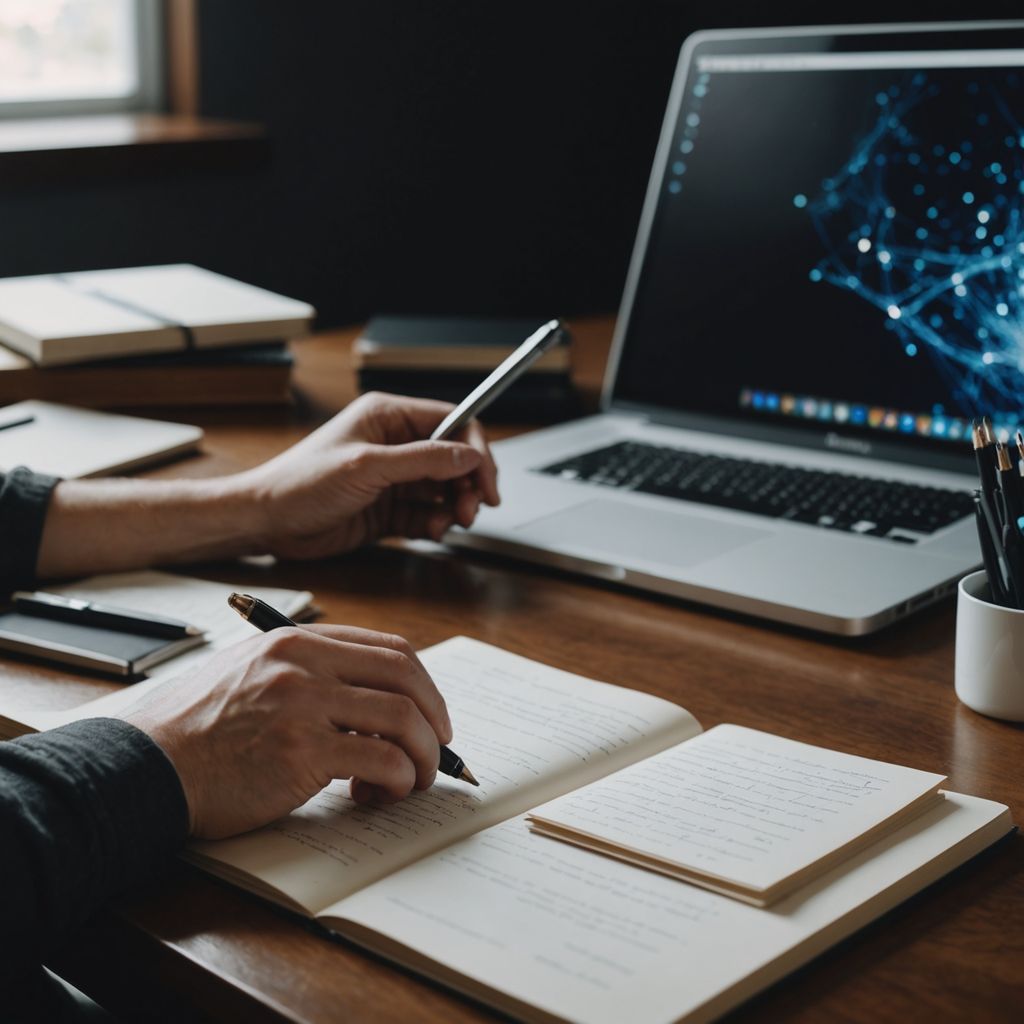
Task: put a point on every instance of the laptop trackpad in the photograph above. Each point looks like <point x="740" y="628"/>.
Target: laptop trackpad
<point x="613" y="531"/>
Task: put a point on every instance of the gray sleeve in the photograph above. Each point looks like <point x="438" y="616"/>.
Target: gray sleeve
<point x="24" y="499"/>
<point x="86" y="812"/>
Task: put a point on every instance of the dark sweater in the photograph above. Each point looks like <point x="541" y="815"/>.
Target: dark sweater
<point x="87" y="810"/>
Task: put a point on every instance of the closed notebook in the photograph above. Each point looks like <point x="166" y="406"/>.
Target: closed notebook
<point x="201" y="603"/>
<point x="58" y="319"/>
<point x="72" y="443"/>
<point x="436" y="343"/>
<point x="113" y="652"/>
<point x="446" y="357"/>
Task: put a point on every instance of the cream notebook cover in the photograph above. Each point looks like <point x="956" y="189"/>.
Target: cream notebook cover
<point x="65" y="441"/>
<point x="102" y="314"/>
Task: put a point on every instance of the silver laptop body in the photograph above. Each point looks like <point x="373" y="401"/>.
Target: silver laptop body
<point x="882" y="380"/>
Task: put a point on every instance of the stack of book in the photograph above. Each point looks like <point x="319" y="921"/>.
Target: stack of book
<point x="446" y="357"/>
<point x="146" y="336"/>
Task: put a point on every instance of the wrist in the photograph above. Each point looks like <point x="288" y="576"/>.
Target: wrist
<point x="247" y="499"/>
<point x="162" y="734"/>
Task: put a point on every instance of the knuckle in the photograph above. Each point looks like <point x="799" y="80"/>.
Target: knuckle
<point x="397" y="643"/>
<point x="404" y="647"/>
<point x="373" y="401"/>
<point x="404" y="710"/>
<point x="358" y="456"/>
<point x="284" y="642"/>
<point x="400" y="666"/>
<point x="396" y="765"/>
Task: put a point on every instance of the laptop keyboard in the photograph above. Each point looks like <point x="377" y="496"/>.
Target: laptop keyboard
<point x="838" y="501"/>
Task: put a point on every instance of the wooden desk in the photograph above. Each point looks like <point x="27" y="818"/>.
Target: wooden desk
<point x="193" y="949"/>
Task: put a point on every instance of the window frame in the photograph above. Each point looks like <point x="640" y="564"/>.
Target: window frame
<point x="148" y="95"/>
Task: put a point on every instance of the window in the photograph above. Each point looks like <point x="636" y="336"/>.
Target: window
<point x="79" y="56"/>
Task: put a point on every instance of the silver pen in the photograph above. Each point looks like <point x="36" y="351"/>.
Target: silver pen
<point x="500" y="379"/>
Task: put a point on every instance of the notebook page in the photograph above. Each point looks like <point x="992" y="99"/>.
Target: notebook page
<point x="197" y="602"/>
<point x="590" y="939"/>
<point x="741" y="805"/>
<point x="527" y="732"/>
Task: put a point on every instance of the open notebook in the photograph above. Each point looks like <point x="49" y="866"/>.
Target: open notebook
<point x="451" y="883"/>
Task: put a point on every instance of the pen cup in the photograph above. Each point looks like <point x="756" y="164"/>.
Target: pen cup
<point x="989" y="673"/>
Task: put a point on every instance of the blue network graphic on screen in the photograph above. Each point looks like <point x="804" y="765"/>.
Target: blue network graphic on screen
<point x="925" y="221"/>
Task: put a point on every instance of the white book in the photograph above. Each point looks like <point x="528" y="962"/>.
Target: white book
<point x="57" y="319"/>
<point x="450" y="882"/>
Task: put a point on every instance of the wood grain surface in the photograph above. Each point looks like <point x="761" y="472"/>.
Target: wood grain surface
<point x="190" y="948"/>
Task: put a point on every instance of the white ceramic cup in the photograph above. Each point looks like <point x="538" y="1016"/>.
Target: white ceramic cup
<point x="989" y="673"/>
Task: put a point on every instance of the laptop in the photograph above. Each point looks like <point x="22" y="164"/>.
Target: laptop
<point x="826" y="288"/>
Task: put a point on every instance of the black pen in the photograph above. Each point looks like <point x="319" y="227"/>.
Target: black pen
<point x="91" y="613"/>
<point x="984" y="441"/>
<point x="992" y="513"/>
<point x="1010" y="500"/>
<point x="988" y="554"/>
<point x="1009" y="485"/>
<point x="264" y="617"/>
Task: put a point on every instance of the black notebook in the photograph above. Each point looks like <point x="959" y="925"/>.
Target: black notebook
<point x="112" y="652"/>
<point x="446" y="357"/>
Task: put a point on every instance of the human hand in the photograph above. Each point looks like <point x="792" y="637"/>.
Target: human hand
<point x="370" y="473"/>
<point x="268" y="723"/>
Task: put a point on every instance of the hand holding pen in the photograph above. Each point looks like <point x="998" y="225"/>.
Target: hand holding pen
<point x="264" y="617"/>
<point x="264" y="725"/>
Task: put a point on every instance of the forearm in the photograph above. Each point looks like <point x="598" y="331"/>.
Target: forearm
<point x="114" y="525"/>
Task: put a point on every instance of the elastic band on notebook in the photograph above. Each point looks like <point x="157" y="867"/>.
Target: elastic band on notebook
<point x="130" y="307"/>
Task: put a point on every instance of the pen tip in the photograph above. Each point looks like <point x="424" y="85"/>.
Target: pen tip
<point x="193" y="631"/>
<point x="468" y="776"/>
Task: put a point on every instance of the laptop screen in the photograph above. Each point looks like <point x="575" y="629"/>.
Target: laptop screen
<point x="833" y="246"/>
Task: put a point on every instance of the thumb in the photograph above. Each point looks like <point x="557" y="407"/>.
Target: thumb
<point x="422" y="460"/>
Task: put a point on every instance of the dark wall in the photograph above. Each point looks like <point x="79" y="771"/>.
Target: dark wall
<point x="451" y="156"/>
